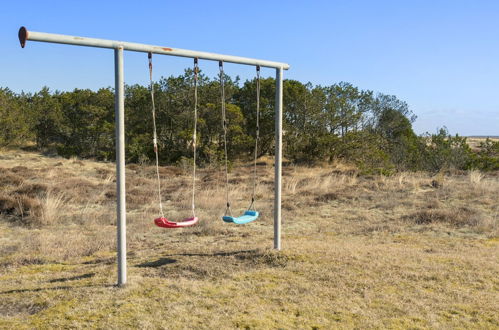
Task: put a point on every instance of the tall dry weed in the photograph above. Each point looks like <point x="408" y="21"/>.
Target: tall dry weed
<point x="475" y="176"/>
<point x="291" y="184"/>
<point x="402" y="179"/>
<point x="52" y="208"/>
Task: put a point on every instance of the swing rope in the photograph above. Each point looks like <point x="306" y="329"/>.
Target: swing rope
<point x="224" y="125"/>
<point x="194" y="137"/>
<point x="155" y="135"/>
<point x="257" y="134"/>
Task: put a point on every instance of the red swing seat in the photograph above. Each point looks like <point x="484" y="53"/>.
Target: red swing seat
<point x="165" y="223"/>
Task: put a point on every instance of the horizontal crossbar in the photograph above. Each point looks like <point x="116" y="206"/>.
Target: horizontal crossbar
<point x="25" y="35"/>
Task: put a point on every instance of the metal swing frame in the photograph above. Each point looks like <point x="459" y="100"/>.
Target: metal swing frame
<point x="119" y="47"/>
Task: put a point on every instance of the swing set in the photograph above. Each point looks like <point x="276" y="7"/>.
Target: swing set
<point x="250" y="214"/>
<point x="119" y="47"/>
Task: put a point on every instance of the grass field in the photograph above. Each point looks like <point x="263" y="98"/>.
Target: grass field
<point x="474" y="141"/>
<point x="406" y="251"/>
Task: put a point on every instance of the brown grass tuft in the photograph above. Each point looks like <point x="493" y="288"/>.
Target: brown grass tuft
<point x="8" y="204"/>
<point x="167" y="171"/>
<point x="133" y="167"/>
<point x="331" y="196"/>
<point x="22" y="171"/>
<point x="135" y="181"/>
<point x="110" y="194"/>
<point x="104" y="173"/>
<point x="138" y="197"/>
<point x="460" y="217"/>
<point x="80" y="189"/>
<point x="32" y="190"/>
<point x="7" y="179"/>
<point x="20" y="206"/>
<point x="28" y="208"/>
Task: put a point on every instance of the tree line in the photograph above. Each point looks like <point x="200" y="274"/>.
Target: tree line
<point x="321" y="124"/>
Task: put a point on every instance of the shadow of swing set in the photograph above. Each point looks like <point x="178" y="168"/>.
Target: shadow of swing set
<point x="250" y="214"/>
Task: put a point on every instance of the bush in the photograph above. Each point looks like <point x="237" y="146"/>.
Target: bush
<point x="487" y="158"/>
<point x="14" y="123"/>
<point x="321" y="124"/>
<point x="444" y="152"/>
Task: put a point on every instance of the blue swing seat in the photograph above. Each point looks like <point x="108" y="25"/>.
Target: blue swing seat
<point x="248" y="216"/>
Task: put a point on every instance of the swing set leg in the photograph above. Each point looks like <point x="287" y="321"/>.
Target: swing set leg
<point x="278" y="159"/>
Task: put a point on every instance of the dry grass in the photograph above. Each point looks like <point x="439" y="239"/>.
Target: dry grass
<point x="475" y="176"/>
<point x="52" y="204"/>
<point x="461" y="217"/>
<point x="358" y="252"/>
<point x="474" y="142"/>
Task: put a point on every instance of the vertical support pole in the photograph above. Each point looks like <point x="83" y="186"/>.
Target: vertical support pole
<point x="119" y="114"/>
<point x="278" y="158"/>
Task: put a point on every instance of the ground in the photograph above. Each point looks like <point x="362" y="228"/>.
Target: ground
<point x="405" y="251"/>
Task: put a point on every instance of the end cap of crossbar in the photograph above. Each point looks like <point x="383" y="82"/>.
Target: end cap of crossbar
<point x="23" y="36"/>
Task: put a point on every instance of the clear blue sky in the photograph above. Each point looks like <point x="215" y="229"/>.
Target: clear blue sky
<point x="442" y="57"/>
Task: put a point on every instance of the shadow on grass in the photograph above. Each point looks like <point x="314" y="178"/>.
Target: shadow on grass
<point x="105" y="261"/>
<point x="73" y="278"/>
<point x="217" y="254"/>
<point x="167" y="261"/>
<point x="60" y="287"/>
<point x="158" y="263"/>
